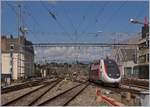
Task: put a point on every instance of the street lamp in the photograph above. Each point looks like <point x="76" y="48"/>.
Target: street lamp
<point x="134" y="21"/>
<point x="23" y="30"/>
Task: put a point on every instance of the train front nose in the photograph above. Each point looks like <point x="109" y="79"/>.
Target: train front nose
<point x="112" y="69"/>
<point x="114" y="75"/>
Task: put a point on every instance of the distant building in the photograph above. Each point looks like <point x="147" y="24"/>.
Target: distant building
<point x="134" y="60"/>
<point x="17" y="57"/>
<point x="143" y="56"/>
<point x="126" y="56"/>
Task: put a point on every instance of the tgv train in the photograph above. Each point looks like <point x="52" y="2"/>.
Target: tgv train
<point x="105" y="71"/>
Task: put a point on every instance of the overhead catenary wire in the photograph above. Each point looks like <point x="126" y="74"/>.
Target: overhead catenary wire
<point x="56" y="20"/>
<point x="75" y="34"/>
<point x="100" y="11"/>
<point x="31" y="31"/>
<point x="113" y="14"/>
<point x="105" y="25"/>
<point x="137" y="16"/>
<point x="84" y="17"/>
<point x="37" y="23"/>
<point x="13" y="9"/>
<point x="69" y="19"/>
<point x="32" y="17"/>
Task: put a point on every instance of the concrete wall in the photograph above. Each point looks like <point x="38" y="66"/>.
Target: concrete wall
<point x="128" y="64"/>
<point x="29" y="64"/>
<point x="24" y="69"/>
<point x="23" y="57"/>
<point x="5" y="63"/>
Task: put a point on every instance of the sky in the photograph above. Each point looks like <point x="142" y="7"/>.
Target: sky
<point x="73" y="21"/>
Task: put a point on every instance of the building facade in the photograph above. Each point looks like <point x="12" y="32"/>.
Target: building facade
<point x="143" y="56"/>
<point x="126" y="56"/>
<point x="17" y="57"/>
<point x="134" y="60"/>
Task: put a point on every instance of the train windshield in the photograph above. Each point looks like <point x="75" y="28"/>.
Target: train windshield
<point x="112" y="68"/>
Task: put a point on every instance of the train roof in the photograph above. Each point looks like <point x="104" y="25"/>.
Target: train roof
<point x="97" y="61"/>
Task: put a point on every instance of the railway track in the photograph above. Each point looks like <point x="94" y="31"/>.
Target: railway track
<point x="120" y="89"/>
<point x="32" y="96"/>
<point x="135" y="82"/>
<point x="142" y="87"/>
<point x="65" y="97"/>
<point x="135" y="88"/>
<point x="22" y="85"/>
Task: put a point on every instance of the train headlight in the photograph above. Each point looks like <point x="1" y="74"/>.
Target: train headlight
<point x="117" y="74"/>
<point x="109" y="74"/>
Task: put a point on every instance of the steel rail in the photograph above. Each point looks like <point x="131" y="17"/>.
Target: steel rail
<point x="26" y="84"/>
<point x="36" y="99"/>
<point x="143" y="87"/>
<point x="26" y="94"/>
<point x="64" y="92"/>
<point x="20" y="86"/>
<point x="117" y="90"/>
<point x="66" y="103"/>
<point x="135" y="82"/>
<point x="136" y="86"/>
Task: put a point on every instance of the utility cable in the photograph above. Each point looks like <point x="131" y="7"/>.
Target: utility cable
<point x="54" y="17"/>
<point x="95" y="17"/>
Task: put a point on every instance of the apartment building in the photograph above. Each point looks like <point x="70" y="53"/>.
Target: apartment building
<point x="134" y="60"/>
<point x="126" y="56"/>
<point x="17" y="56"/>
<point x="143" y="56"/>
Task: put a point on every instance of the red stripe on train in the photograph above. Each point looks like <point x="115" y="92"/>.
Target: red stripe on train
<point x="99" y="73"/>
<point x="105" y="70"/>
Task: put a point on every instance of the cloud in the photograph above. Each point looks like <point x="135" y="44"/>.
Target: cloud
<point x="70" y="53"/>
